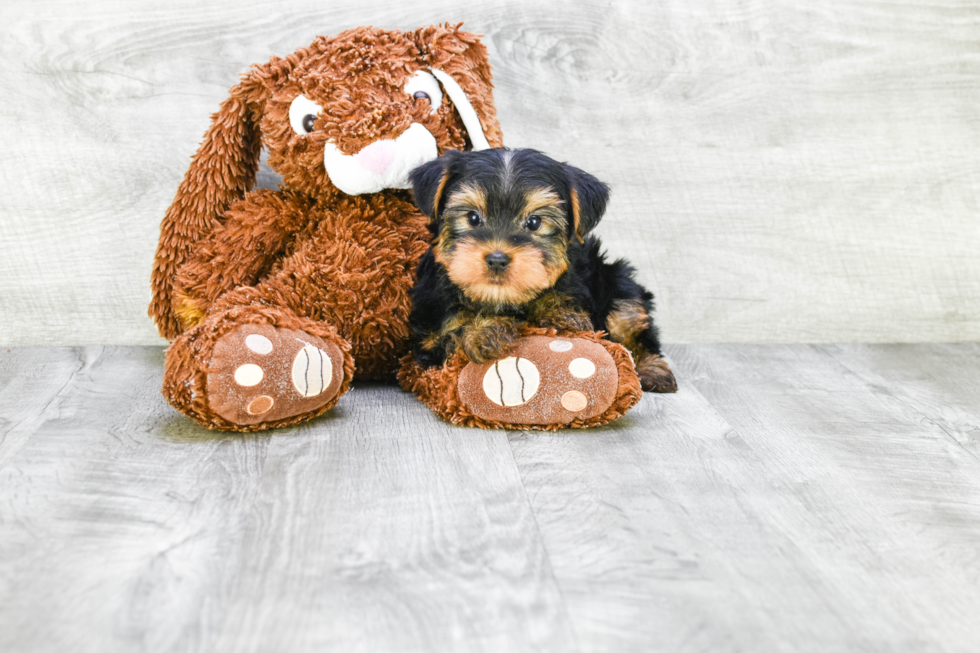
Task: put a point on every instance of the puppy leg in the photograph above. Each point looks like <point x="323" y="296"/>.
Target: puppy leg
<point x="629" y="323"/>
<point x="556" y="311"/>
<point x="481" y="338"/>
<point x="624" y="310"/>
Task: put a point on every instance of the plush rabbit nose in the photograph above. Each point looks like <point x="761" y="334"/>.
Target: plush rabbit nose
<point x="385" y="163"/>
<point x="377" y="156"/>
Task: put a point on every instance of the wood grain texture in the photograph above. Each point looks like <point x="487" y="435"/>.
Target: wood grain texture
<point x="940" y="382"/>
<point x="32" y="384"/>
<point x="125" y="527"/>
<point x="778" y="501"/>
<point x="787" y="498"/>
<point x="877" y="507"/>
<point x="781" y="171"/>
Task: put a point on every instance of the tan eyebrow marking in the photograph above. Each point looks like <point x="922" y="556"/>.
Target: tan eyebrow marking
<point x="468" y="196"/>
<point x="540" y="198"/>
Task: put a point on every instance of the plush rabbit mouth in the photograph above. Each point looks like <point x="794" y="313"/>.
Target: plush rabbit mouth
<point x="385" y="163"/>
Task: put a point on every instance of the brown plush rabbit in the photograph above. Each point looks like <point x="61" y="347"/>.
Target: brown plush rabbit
<point x="274" y="298"/>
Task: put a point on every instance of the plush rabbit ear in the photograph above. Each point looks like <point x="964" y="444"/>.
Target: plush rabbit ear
<point x="222" y="171"/>
<point x="464" y="107"/>
<point x="459" y="61"/>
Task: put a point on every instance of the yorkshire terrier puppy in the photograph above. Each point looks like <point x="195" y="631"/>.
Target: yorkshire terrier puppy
<point x="510" y="248"/>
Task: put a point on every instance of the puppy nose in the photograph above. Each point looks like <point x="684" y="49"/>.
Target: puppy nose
<point x="497" y="261"/>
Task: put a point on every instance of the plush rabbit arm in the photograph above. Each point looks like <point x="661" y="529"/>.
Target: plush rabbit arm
<point x="242" y="248"/>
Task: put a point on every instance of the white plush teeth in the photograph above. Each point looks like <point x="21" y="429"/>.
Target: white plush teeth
<point x="511" y="381"/>
<point x="312" y="371"/>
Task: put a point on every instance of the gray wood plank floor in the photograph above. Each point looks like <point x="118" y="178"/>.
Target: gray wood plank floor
<point x="788" y="498"/>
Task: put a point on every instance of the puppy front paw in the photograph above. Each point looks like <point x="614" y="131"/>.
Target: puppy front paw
<point x="556" y="311"/>
<point x="488" y="341"/>
<point x="565" y="321"/>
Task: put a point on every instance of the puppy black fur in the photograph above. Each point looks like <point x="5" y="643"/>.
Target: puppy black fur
<point x="510" y="247"/>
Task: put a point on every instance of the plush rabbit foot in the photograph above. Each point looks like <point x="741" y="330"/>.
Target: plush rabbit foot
<point x="547" y="381"/>
<point x="543" y="381"/>
<point x="260" y="373"/>
<point x="251" y="368"/>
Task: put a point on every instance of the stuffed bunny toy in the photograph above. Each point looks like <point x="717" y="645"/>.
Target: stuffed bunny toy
<point x="273" y="298"/>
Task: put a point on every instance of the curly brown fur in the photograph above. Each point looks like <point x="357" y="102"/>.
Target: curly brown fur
<point x="309" y="250"/>
<point x="511" y="246"/>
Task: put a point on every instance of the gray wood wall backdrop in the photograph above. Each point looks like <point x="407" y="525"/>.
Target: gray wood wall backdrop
<point x="782" y="170"/>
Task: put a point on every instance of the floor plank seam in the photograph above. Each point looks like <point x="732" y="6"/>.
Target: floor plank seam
<point x="7" y="456"/>
<point x="544" y="544"/>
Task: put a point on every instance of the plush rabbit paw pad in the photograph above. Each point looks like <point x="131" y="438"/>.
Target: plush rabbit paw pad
<point x="544" y="380"/>
<point x="260" y="373"/>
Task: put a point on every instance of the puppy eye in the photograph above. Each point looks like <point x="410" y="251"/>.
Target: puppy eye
<point x="424" y="85"/>
<point x="473" y="219"/>
<point x="533" y="223"/>
<point x="302" y="114"/>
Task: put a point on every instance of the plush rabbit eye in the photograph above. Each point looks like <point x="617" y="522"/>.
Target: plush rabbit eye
<point x="424" y="85"/>
<point x="302" y="114"/>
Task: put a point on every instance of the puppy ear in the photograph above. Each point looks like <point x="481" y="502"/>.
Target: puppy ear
<point x="589" y="199"/>
<point x="459" y="61"/>
<point x="222" y="171"/>
<point x="428" y="184"/>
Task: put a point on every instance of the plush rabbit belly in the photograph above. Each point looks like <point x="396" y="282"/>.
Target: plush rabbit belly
<point x="275" y="300"/>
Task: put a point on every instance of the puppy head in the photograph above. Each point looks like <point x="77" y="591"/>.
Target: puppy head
<point x="504" y="219"/>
